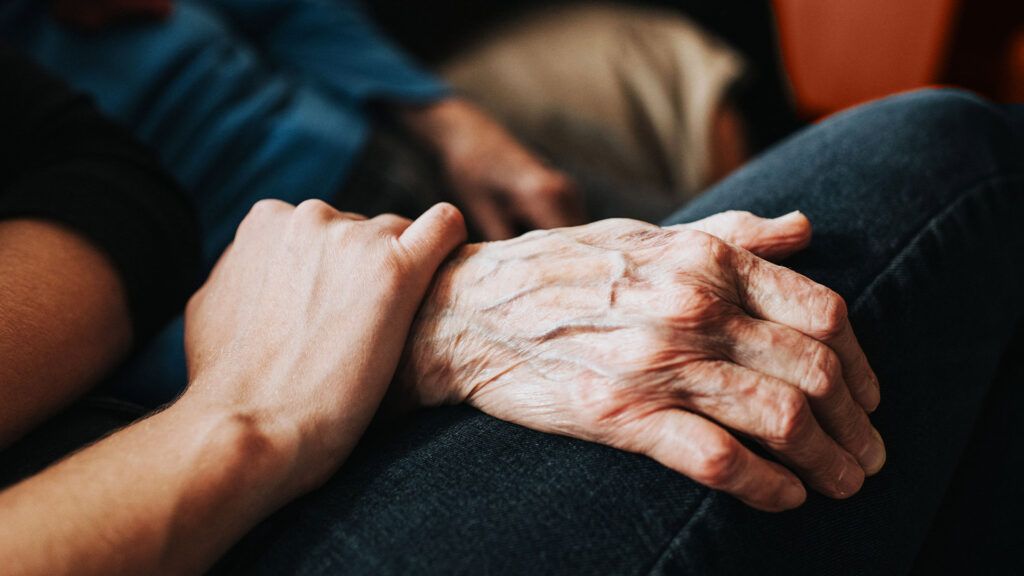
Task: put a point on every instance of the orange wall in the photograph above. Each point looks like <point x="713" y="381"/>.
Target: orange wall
<point x="842" y="52"/>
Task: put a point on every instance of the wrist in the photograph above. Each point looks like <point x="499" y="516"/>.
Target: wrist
<point x="428" y="372"/>
<point x="260" y="448"/>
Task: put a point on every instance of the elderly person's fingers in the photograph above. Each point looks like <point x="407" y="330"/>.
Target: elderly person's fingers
<point x="856" y="369"/>
<point x="489" y="217"/>
<point x="549" y="199"/>
<point x="778" y="416"/>
<point x="815" y="369"/>
<point x="703" y="451"/>
<point x="771" y="238"/>
<point x="499" y="182"/>
<point x="775" y="293"/>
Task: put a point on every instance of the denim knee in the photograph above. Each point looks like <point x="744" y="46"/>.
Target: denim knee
<point x="943" y="131"/>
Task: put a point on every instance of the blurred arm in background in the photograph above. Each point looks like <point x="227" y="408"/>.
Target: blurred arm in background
<point x="97" y="246"/>
<point x="503" y="186"/>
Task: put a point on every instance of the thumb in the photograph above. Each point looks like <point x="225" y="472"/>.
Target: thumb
<point x="769" y="238"/>
<point x="432" y="236"/>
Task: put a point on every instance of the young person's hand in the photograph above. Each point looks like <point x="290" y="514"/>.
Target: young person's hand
<point x="301" y="324"/>
<point x="291" y="344"/>
<point x="662" y="341"/>
<point x="503" y="187"/>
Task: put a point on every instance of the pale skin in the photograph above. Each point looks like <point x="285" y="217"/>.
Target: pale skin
<point x="65" y="322"/>
<point x="660" y="341"/>
<point x="291" y="346"/>
<point x="293" y="341"/>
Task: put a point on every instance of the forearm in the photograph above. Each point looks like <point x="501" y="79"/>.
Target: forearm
<point x="97" y="245"/>
<point x="66" y="164"/>
<point x="166" y="495"/>
<point x="284" y="382"/>
<point x="64" y="321"/>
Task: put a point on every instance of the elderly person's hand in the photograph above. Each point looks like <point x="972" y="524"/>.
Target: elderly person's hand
<point x="661" y="341"/>
<point x="503" y="187"/>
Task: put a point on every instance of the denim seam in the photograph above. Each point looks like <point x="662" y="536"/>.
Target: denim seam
<point x="700" y="510"/>
<point x="982" y="183"/>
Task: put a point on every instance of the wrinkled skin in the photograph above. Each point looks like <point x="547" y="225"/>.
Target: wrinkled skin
<point x="501" y="185"/>
<point x="661" y="341"/>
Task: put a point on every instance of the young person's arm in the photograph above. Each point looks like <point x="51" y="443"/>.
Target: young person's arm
<point x="97" y="246"/>
<point x="63" y="321"/>
<point x="291" y="345"/>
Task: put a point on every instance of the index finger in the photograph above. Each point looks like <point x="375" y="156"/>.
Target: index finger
<point x="780" y="295"/>
<point x="489" y="218"/>
<point x="551" y="202"/>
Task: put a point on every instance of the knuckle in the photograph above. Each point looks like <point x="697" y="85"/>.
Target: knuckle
<point x="548" y="185"/>
<point x="388" y="219"/>
<point x="264" y="210"/>
<point x="648" y="236"/>
<point x="268" y="206"/>
<point x="315" y="210"/>
<point x="738" y="218"/>
<point x="554" y="189"/>
<point x="823" y="371"/>
<point x="260" y="214"/>
<point x="621" y="224"/>
<point x="343" y="232"/>
<point x="708" y="249"/>
<point x="832" y="314"/>
<point x="691" y="238"/>
<point x="790" y="418"/>
<point x="717" y="463"/>
<point x="695" y="305"/>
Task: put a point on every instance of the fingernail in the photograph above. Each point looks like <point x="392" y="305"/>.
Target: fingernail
<point x="850" y="479"/>
<point x="874" y="457"/>
<point x="791" y="215"/>
<point x="793" y="495"/>
<point x="875" y="393"/>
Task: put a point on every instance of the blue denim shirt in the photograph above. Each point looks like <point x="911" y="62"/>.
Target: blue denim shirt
<point x="243" y="100"/>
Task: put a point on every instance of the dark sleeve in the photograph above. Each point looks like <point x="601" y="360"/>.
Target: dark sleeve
<point x="62" y="161"/>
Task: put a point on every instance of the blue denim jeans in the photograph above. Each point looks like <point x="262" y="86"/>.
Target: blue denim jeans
<point x="917" y="203"/>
